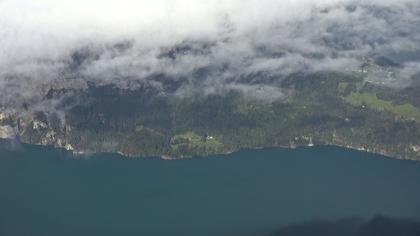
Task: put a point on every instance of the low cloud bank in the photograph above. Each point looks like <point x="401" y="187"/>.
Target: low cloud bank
<point x="183" y="46"/>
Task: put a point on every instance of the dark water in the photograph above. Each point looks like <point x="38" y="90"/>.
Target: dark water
<point x="48" y="192"/>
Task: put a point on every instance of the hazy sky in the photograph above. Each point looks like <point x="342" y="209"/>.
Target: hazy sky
<point x="65" y="43"/>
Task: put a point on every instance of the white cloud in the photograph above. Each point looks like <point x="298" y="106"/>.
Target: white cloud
<point x="235" y="38"/>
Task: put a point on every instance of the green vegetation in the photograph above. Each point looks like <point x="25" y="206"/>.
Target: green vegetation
<point x="323" y="107"/>
<point x="359" y="86"/>
<point x="193" y="141"/>
<point x="342" y="86"/>
<point x="371" y="100"/>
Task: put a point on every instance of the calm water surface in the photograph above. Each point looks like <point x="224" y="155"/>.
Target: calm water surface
<point x="48" y="192"/>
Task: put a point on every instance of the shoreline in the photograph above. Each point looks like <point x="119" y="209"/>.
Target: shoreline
<point x="86" y="153"/>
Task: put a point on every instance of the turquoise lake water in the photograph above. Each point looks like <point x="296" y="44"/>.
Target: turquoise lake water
<point x="252" y="192"/>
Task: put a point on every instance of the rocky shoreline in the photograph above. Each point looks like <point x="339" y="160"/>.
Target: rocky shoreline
<point x="78" y="152"/>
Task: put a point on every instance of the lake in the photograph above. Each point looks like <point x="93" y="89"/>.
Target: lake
<point x="46" y="191"/>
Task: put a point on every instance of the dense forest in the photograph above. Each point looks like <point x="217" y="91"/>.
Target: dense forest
<point x="324" y="108"/>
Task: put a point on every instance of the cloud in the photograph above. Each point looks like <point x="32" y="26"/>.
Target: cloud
<point x="212" y="46"/>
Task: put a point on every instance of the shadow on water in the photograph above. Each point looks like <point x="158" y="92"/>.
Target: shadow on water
<point x="377" y="226"/>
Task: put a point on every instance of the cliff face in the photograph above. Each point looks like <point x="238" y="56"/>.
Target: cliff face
<point x="142" y="141"/>
<point x="141" y="123"/>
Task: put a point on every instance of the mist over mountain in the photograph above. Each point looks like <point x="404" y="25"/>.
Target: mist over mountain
<point x="185" y="78"/>
<point x="209" y="47"/>
<point x="176" y="79"/>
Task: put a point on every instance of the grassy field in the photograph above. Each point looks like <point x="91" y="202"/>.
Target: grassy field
<point x="195" y="141"/>
<point x="371" y="100"/>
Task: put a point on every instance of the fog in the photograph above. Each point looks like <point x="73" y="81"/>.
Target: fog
<point x="206" y="46"/>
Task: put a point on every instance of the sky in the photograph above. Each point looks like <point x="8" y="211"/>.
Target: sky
<point x="208" y="46"/>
